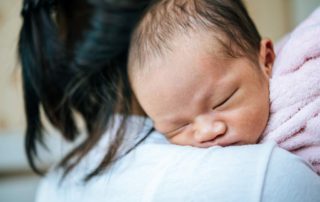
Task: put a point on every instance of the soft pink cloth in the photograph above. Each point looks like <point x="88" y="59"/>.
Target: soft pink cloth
<point x="295" y="93"/>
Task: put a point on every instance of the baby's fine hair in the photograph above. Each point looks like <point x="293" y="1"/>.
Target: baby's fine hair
<point x="167" y="18"/>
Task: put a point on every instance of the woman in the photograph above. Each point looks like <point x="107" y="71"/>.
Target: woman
<point x="122" y="158"/>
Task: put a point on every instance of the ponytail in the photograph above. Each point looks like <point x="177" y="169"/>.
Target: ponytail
<point x="89" y="78"/>
<point x="44" y="75"/>
<point x="101" y="87"/>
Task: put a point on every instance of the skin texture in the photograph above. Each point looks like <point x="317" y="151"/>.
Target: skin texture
<point x="197" y="96"/>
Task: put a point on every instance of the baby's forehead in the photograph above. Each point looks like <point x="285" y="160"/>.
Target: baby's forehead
<point x="161" y="43"/>
<point x="196" y="50"/>
<point x="191" y="44"/>
<point x="197" y="44"/>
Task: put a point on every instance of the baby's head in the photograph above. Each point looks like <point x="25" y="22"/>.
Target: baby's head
<point x="200" y="71"/>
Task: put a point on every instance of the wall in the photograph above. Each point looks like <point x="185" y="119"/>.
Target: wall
<point x="272" y="17"/>
<point x="11" y="106"/>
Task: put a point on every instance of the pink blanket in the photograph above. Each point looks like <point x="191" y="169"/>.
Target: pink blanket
<point x="295" y="93"/>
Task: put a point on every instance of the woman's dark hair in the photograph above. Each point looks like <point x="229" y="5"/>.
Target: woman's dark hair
<point x="74" y="60"/>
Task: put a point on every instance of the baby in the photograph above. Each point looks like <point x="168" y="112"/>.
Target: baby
<point x="200" y="70"/>
<point x="202" y="75"/>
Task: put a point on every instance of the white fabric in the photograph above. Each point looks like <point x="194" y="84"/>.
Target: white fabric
<point x="157" y="171"/>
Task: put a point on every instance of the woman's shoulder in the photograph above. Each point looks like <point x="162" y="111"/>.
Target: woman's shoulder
<point x="159" y="171"/>
<point x="262" y="172"/>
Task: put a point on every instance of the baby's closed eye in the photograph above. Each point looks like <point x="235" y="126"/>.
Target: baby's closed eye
<point x="177" y="130"/>
<point x="225" y="100"/>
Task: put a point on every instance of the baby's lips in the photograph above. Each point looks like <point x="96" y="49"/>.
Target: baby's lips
<point x="221" y="141"/>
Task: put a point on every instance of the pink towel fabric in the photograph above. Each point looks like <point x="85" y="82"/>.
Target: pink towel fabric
<point x="295" y="93"/>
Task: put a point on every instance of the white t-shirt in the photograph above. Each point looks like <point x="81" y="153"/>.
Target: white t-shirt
<point x="161" y="172"/>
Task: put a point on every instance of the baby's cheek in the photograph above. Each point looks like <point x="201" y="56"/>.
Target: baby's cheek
<point x="245" y="125"/>
<point x="175" y="140"/>
<point x="255" y="125"/>
<point x="183" y="139"/>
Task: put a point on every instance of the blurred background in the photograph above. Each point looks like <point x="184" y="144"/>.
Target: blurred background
<point x="274" y="18"/>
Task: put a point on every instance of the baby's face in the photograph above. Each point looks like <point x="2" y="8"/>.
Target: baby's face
<point x="195" y="96"/>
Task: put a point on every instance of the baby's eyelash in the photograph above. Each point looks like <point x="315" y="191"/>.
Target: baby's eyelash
<point x="177" y="129"/>
<point x="224" y="101"/>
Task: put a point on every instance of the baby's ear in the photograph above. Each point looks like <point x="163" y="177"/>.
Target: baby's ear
<point x="266" y="56"/>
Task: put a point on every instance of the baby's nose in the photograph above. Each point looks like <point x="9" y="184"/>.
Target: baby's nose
<point x="207" y="129"/>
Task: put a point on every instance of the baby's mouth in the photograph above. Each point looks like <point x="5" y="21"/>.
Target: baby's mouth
<point x="221" y="143"/>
